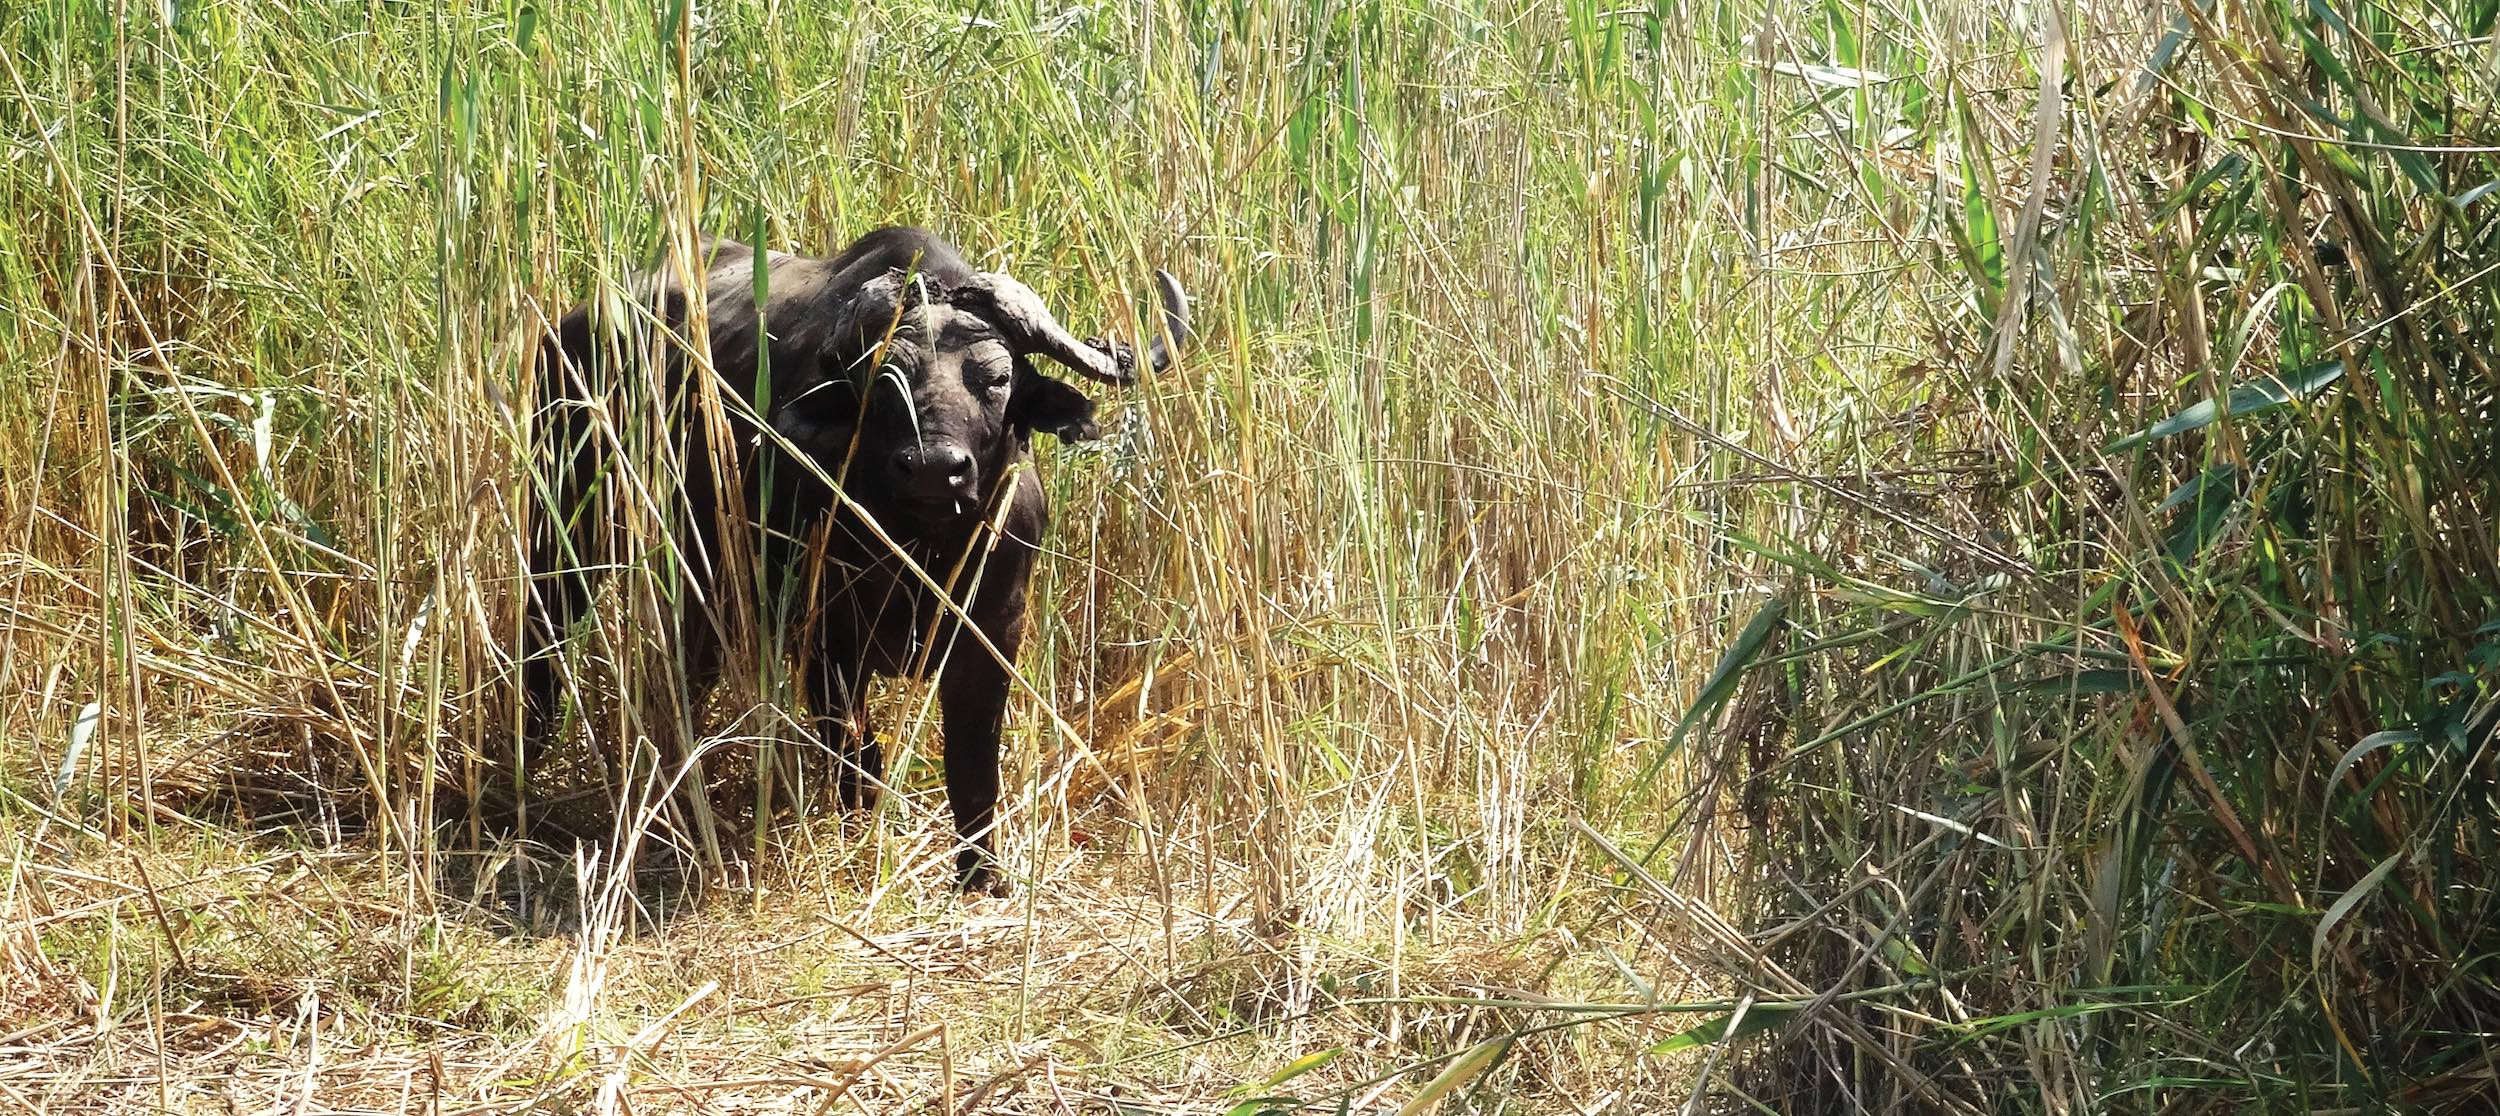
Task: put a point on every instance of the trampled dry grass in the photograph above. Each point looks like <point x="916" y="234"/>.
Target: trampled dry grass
<point x="306" y="982"/>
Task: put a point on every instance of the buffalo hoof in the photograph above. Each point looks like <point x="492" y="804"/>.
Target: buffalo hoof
<point x="978" y="877"/>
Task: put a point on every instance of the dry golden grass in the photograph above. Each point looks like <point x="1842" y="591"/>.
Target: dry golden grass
<point x="268" y="978"/>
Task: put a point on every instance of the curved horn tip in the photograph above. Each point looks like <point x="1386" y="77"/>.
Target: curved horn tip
<point x="1175" y="331"/>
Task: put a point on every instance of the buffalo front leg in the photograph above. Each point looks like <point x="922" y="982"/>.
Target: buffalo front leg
<point x="973" y="695"/>
<point x="839" y="694"/>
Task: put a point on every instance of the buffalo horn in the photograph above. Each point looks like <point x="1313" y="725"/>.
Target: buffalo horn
<point x="1032" y="328"/>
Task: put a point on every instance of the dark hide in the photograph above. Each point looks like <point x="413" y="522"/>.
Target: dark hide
<point x="898" y="372"/>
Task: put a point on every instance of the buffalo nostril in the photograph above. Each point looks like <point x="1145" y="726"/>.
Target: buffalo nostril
<point x="956" y="462"/>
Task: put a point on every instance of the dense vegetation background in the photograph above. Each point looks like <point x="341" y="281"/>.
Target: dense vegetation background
<point x="1846" y="557"/>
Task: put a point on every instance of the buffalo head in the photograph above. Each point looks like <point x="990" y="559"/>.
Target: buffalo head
<point x="928" y="388"/>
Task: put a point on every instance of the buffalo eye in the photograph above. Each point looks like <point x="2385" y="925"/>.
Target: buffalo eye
<point x="838" y="399"/>
<point x="991" y="367"/>
<point x="896" y="370"/>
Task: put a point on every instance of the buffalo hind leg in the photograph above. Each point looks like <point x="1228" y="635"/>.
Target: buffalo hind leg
<point x="859" y="780"/>
<point x="973" y="695"/>
<point x="841" y="705"/>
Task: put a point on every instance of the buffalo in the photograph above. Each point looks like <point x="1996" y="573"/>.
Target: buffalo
<point x="864" y="445"/>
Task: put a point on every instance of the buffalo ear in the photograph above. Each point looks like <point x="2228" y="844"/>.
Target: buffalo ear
<point x="1044" y="404"/>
